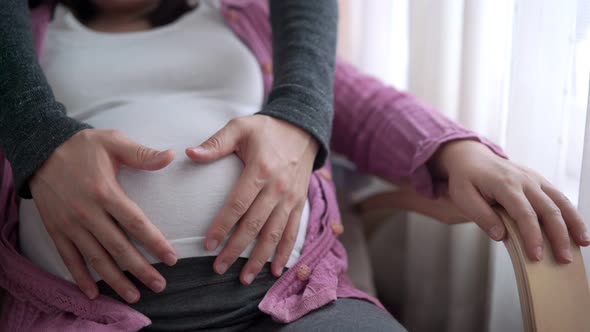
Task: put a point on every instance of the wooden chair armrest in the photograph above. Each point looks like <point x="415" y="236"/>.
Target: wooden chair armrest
<point x="553" y="297"/>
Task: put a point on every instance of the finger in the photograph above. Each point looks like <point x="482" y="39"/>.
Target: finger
<point x="138" y="156"/>
<point x="247" y="230"/>
<point x="221" y="144"/>
<point x="133" y="220"/>
<point x="287" y="243"/>
<point x="75" y="264"/>
<point x="126" y="254"/>
<point x="102" y="263"/>
<point x="237" y="204"/>
<point x="553" y="223"/>
<point x="270" y="237"/>
<point x="518" y="207"/>
<point x="572" y="217"/>
<point x="112" y="238"/>
<point x="476" y="208"/>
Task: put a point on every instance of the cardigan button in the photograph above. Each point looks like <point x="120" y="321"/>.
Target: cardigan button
<point x="267" y="68"/>
<point x="325" y="174"/>
<point x="337" y="228"/>
<point x="303" y="272"/>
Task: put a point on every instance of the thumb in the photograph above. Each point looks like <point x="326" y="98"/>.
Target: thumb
<point x="140" y="156"/>
<point x="221" y="144"/>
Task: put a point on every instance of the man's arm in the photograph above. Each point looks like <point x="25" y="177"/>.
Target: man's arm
<point x="32" y="123"/>
<point x="304" y="50"/>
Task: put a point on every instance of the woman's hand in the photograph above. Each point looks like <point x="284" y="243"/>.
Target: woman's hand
<point x="81" y="202"/>
<point x="269" y="197"/>
<point x="478" y="179"/>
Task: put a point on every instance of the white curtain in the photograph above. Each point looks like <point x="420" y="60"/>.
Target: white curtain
<point x="508" y="69"/>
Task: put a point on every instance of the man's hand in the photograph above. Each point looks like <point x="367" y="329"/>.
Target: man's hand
<point x="81" y="202"/>
<point x="268" y="200"/>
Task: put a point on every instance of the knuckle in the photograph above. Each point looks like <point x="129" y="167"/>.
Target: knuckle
<point x="135" y="224"/>
<point x="256" y="262"/>
<point x="292" y="197"/>
<point x="238" y="207"/>
<point x="142" y="153"/>
<point x="101" y="191"/>
<point x="511" y="180"/>
<point x="118" y="250"/>
<point x="74" y="267"/>
<point x="274" y="237"/>
<point x="562" y="199"/>
<point x="282" y="186"/>
<point x="214" y="142"/>
<point x="78" y="213"/>
<point x="252" y="227"/>
<point x="232" y="252"/>
<point x="529" y="177"/>
<point x="221" y="230"/>
<point x="96" y="261"/>
<point x="527" y="214"/>
<point x="265" y="170"/>
<point x="553" y="212"/>
<point x="284" y="213"/>
<point x="289" y="239"/>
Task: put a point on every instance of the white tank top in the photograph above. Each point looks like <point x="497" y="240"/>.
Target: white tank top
<point x="168" y="88"/>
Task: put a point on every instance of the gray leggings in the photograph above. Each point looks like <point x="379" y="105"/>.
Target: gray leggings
<point x="197" y="299"/>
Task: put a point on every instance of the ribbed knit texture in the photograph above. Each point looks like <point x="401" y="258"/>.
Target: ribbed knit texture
<point x="303" y="69"/>
<point x="32" y="123"/>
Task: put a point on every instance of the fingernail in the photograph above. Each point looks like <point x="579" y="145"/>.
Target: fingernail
<point x="567" y="255"/>
<point x="249" y="278"/>
<point x="221" y="268"/>
<point x="538" y="253"/>
<point x="496" y="233"/>
<point x="585" y="237"/>
<point x="90" y="293"/>
<point x="131" y="296"/>
<point x="157" y="285"/>
<point x="199" y="149"/>
<point x="211" y="244"/>
<point x="170" y="259"/>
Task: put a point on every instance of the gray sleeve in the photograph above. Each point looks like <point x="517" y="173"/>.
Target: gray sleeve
<point x="304" y="55"/>
<point x="32" y="123"/>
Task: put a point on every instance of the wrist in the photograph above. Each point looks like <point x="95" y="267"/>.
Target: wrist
<point x="449" y="154"/>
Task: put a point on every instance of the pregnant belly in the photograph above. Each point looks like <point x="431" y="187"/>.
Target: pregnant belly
<point x="181" y="199"/>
